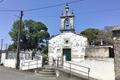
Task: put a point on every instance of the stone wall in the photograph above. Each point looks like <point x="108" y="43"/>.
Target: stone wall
<point x="117" y="59"/>
<point x="26" y="55"/>
<point x="116" y="40"/>
<point x="97" y="52"/>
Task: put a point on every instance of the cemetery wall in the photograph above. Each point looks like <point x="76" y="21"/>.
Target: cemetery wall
<point x="98" y="52"/>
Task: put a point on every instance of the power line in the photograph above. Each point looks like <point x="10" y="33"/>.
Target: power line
<point x="34" y="9"/>
<point x="51" y="6"/>
<point x="56" y="5"/>
<point x="104" y="10"/>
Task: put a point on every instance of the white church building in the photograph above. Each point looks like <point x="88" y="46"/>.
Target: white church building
<point x="67" y="46"/>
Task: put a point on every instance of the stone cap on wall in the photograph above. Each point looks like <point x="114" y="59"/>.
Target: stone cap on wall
<point x="116" y="28"/>
<point x="107" y="46"/>
<point x="116" y="32"/>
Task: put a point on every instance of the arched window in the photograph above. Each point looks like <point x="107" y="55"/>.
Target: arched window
<point x="67" y="23"/>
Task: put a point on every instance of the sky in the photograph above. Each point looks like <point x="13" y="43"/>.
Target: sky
<point x="88" y="14"/>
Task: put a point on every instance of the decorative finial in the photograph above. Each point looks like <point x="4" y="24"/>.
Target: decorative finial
<point x="66" y="4"/>
<point x="66" y="7"/>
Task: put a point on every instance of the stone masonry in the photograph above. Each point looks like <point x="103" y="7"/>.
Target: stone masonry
<point x="116" y="39"/>
<point x="117" y="59"/>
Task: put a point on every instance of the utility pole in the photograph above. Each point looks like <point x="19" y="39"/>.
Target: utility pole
<point x="6" y="51"/>
<point x="1" y="48"/>
<point x="18" y="41"/>
<point x="6" y="46"/>
<point x="1" y="44"/>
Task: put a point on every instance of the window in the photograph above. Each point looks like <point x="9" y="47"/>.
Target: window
<point x="66" y="41"/>
<point x="67" y="23"/>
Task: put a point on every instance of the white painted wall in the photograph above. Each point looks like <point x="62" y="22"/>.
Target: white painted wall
<point x="10" y="63"/>
<point x="3" y="57"/>
<point x="101" y="69"/>
<point x="30" y="64"/>
<point x="24" y="64"/>
<point x="76" y="42"/>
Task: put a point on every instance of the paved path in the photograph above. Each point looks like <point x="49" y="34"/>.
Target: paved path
<point x="10" y="74"/>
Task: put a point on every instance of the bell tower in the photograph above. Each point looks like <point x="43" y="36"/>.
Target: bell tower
<point x="67" y="20"/>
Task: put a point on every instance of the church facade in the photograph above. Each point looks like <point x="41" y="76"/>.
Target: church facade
<point x="67" y="46"/>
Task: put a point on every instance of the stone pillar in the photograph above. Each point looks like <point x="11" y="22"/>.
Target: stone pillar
<point x="117" y="59"/>
<point x="116" y="39"/>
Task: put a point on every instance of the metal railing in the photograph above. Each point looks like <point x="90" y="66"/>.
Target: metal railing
<point x="68" y="65"/>
<point x="71" y="67"/>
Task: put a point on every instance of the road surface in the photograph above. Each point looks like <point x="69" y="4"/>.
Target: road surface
<point x="12" y="74"/>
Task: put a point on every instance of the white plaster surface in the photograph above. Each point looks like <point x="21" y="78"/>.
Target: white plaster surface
<point x="10" y="63"/>
<point x="30" y="64"/>
<point x="76" y="43"/>
<point x="24" y="64"/>
<point x="101" y="69"/>
<point x="3" y="56"/>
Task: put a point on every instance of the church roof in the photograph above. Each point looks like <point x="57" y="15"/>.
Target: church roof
<point x="68" y="35"/>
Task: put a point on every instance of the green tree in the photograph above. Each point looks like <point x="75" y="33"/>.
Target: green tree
<point x="92" y="35"/>
<point x="34" y="35"/>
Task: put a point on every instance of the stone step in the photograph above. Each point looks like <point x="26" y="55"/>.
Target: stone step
<point x="42" y="75"/>
<point x="48" y="70"/>
<point x="46" y="73"/>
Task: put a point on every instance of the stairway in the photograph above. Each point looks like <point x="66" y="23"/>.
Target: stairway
<point x="46" y="71"/>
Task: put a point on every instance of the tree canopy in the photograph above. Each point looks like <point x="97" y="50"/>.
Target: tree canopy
<point x="106" y="35"/>
<point x="91" y="34"/>
<point x="34" y="35"/>
<point x="98" y="37"/>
